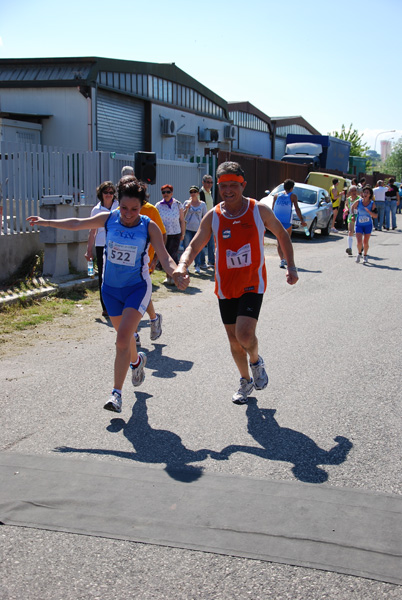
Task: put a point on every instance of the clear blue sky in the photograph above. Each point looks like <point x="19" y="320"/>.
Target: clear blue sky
<point x="330" y="62"/>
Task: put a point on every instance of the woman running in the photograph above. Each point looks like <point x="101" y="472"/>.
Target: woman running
<point x="366" y="212"/>
<point x="126" y="287"/>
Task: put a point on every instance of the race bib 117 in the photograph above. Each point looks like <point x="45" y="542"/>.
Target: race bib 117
<point x="239" y="259"/>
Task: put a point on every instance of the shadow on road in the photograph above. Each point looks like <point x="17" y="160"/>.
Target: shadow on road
<point x="287" y="445"/>
<point x="156" y="446"/>
<point x="152" y="446"/>
<point x="165" y="366"/>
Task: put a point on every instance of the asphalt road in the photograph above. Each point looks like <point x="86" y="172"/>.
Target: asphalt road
<point x="332" y="346"/>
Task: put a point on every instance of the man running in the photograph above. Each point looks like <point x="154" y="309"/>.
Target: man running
<point x="238" y="224"/>
<point x="282" y="207"/>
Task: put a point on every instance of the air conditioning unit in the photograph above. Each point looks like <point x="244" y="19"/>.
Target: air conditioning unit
<point x="230" y="132"/>
<point x="204" y="135"/>
<point x="168" y="127"/>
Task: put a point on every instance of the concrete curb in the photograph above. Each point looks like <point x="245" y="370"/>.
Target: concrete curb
<point x="47" y="288"/>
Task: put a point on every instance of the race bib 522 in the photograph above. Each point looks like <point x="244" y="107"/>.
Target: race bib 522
<point x="120" y="254"/>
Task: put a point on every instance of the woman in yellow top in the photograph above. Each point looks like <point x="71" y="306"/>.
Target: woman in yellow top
<point x="335" y="196"/>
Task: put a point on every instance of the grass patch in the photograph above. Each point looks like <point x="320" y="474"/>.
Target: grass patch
<point x="28" y="313"/>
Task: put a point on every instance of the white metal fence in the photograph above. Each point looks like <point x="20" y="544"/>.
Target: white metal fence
<point x="28" y="172"/>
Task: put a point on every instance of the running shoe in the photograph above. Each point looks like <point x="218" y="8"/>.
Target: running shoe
<point x="358" y="257"/>
<point x="138" y="373"/>
<point x="333" y="230"/>
<point x="114" y="403"/>
<point x="197" y="269"/>
<point x="349" y="251"/>
<point x="156" y="327"/>
<point x="211" y="265"/>
<point x="137" y="339"/>
<point x="259" y="374"/>
<point x="365" y="259"/>
<point x="282" y="264"/>
<point x="245" y="389"/>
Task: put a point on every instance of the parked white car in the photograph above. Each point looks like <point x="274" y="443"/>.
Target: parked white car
<point x="315" y="206"/>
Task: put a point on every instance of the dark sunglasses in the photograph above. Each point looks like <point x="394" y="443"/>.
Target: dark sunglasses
<point x="109" y="193"/>
<point x="166" y="192"/>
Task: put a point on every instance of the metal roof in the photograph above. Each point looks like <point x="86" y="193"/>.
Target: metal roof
<point x="247" y="107"/>
<point x="285" y="121"/>
<point x="62" y="72"/>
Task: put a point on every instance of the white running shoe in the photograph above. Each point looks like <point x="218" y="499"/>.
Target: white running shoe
<point x="114" y="403"/>
<point x="283" y="264"/>
<point x="259" y="374"/>
<point x="365" y="259"/>
<point x="358" y="257"/>
<point x="333" y="230"/>
<point x="138" y="373"/>
<point x="245" y="389"/>
<point x="137" y="339"/>
<point x="156" y="327"/>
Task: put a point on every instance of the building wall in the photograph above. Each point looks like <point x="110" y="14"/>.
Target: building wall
<point x="68" y="125"/>
<point x="186" y="124"/>
<point x="254" y="142"/>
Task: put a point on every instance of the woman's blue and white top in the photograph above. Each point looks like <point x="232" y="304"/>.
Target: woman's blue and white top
<point x="362" y="214"/>
<point x="126" y="252"/>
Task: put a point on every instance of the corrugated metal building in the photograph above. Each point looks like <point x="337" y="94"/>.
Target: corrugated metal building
<point x="110" y="105"/>
<point x="261" y="135"/>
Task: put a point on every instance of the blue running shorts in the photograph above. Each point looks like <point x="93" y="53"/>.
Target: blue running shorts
<point x="364" y="227"/>
<point x="117" y="299"/>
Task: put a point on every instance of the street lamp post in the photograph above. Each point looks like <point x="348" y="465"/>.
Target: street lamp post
<point x="381" y="132"/>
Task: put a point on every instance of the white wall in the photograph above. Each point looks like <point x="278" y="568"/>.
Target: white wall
<point x="68" y="125"/>
<point x="187" y="123"/>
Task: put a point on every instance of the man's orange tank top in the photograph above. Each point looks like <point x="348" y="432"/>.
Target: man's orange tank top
<point x="239" y="260"/>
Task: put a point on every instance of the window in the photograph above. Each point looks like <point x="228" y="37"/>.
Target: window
<point x="162" y="90"/>
<point x="185" y="144"/>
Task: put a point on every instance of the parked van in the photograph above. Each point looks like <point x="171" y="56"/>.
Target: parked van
<point x="324" y="180"/>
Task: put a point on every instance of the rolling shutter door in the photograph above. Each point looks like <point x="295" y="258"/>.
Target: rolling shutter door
<point x="120" y="121"/>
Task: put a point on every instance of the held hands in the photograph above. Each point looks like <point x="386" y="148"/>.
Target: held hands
<point x="181" y="279"/>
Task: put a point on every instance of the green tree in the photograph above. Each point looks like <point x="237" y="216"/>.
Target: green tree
<point x="358" y="147"/>
<point x="393" y="163"/>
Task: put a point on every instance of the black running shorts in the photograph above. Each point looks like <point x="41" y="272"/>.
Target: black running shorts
<point x="248" y="305"/>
